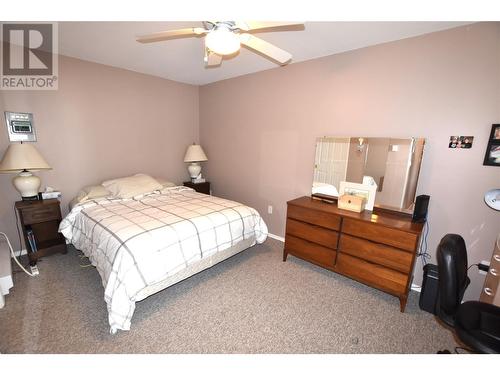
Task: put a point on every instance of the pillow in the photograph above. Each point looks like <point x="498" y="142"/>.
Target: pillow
<point x="165" y="183"/>
<point x="129" y="187"/>
<point x="89" y="192"/>
<point x="92" y="192"/>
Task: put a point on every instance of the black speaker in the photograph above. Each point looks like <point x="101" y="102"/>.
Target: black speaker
<point x="429" y="292"/>
<point x="421" y="205"/>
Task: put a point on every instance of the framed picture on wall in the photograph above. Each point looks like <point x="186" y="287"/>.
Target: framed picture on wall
<point x="495" y="133"/>
<point x="492" y="156"/>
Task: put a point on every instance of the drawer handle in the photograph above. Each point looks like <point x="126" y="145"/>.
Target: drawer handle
<point x="496" y="257"/>
<point x="488" y="291"/>
<point x="41" y="213"/>
<point x="494" y="272"/>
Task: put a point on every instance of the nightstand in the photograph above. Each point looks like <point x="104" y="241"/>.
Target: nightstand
<point x="40" y="224"/>
<point x="202" y="187"/>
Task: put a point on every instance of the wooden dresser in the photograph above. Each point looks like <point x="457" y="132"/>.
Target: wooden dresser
<point x="491" y="289"/>
<point x="377" y="249"/>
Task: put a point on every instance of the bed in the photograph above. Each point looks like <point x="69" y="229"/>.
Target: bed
<point x="144" y="244"/>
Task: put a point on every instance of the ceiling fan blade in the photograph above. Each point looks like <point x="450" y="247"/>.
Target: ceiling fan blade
<point x="171" y="34"/>
<point x="256" y="25"/>
<point x="212" y="59"/>
<point x="265" y="48"/>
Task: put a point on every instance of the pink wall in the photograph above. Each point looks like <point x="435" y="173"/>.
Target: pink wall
<point x="103" y="122"/>
<point x="259" y="130"/>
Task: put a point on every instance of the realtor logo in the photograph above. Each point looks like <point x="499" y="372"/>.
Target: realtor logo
<point x="29" y="56"/>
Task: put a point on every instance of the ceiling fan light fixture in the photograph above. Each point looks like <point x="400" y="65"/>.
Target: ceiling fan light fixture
<point x="222" y="41"/>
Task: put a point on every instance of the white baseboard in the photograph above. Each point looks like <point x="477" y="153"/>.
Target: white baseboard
<point x="282" y="239"/>
<point x="23" y="252"/>
<point x="416" y="288"/>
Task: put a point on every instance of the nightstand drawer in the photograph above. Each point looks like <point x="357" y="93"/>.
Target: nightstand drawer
<point x="41" y="214"/>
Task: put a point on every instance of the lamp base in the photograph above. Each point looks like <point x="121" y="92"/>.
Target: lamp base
<point x="194" y="170"/>
<point x="27" y="184"/>
<point x="33" y="198"/>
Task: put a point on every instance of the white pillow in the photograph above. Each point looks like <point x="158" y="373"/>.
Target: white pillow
<point x="129" y="187"/>
<point x="92" y="192"/>
<point x="89" y="192"/>
<point x="165" y="183"/>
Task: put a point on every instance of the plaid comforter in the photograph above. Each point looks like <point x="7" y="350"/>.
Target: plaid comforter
<point x="136" y="243"/>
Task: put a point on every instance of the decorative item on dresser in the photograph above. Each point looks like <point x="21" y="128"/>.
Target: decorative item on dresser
<point x="40" y="224"/>
<point x="491" y="291"/>
<point x="378" y="249"/>
<point x="201" y="187"/>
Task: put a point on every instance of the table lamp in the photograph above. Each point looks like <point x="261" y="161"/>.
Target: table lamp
<point x="194" y="155"/>
<point x="23" y="158"/>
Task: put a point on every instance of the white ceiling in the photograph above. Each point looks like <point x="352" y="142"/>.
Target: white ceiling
<point x="113" y="43"/>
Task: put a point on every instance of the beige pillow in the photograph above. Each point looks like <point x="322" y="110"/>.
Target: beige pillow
<point x="165" y="183"/>
<point x="129" y="187"/>
<point x="92" y="192"/>
<point x="89" y="192"/>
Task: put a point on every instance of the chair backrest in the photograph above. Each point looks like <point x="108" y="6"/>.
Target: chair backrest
<point x="453" y="280"/>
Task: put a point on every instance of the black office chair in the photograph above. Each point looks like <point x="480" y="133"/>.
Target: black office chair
<point x="477" y="324"/>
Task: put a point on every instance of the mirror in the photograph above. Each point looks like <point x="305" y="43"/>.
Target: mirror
<point x="393" y="163"/>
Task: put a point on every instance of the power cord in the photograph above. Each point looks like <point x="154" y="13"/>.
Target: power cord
<point x="472" y="265"/>
<point x="18" y="232"/>
<point x="480" y="267"/>
<point x="15" y="257"/>
<point x="81" y="256"/>
<point x="423" y="254"/>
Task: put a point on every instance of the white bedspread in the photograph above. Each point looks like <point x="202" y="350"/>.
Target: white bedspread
<point x="135" y="243"/>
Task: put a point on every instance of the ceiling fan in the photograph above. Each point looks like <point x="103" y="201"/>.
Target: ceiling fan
<point x="224" y="38"/>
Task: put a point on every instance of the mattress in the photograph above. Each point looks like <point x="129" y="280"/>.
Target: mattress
<point x="144" y="244"/>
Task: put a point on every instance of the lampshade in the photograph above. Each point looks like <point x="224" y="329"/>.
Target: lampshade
<point x="20" y="156"/>
<point x="195" y="153"/>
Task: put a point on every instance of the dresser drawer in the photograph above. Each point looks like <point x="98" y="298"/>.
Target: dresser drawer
<point x="313" y="233"/>
<point x="41" y="214"/>
<point x="310" y="251"/>
<point x="372" y="274"/>
<point x="323" y="219"/>
<point x="490" y="287"/>
<point x="384" y="255"/>
<point x="378" y="233"/>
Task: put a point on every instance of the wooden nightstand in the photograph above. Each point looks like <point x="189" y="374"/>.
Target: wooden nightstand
<point x="202" y="187"/>
<point x="40" y="221"/>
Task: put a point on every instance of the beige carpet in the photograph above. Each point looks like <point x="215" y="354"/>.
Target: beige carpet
<point x="250" y="303"/>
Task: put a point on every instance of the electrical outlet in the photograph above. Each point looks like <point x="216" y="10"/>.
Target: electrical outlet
<point x="486" y="263"/>
<point x="269" y="209"/>
<point x="34" y="270"/>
